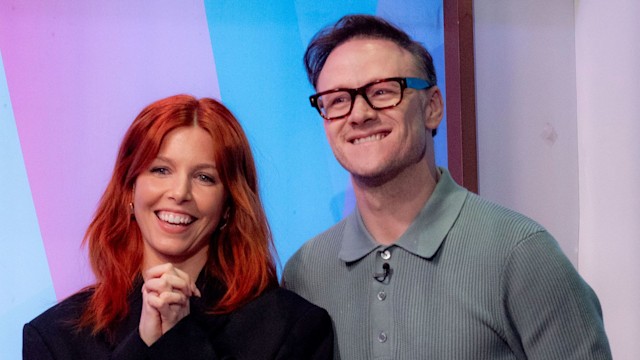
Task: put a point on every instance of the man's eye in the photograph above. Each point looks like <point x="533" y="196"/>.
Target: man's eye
<point x="339" y="100"/>
<point x="384" y="91"/>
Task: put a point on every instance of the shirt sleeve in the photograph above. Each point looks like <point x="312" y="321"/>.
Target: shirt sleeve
<point x="33" y="345"/>
<point x="549" y="309"/>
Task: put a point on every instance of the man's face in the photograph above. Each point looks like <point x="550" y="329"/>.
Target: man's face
<point x="377" y="145"/>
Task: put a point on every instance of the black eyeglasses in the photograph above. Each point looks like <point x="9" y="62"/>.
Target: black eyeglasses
<point x="380" y="94"/>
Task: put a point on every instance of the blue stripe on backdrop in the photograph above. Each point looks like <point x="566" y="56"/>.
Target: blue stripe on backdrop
<point x="22" y="257"/>
<point x="258" y="48"/>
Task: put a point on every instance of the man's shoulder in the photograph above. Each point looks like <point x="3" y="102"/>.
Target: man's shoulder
<point x="327" y="243"/>
<point x="334" y="233"/>
<point x="315" y="256"/>
<point x="497" y="218"/>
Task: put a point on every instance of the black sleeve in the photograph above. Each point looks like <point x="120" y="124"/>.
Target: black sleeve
<point x="131" y="348"/>
<point x="186" y="340"/>
<point x="33" y="345"/>
<point x="311" y="337"/>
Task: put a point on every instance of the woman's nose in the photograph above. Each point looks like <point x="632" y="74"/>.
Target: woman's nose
<point x="181" y="189"/>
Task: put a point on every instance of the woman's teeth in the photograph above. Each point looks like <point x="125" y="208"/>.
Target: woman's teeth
<point x="175" y="218"/>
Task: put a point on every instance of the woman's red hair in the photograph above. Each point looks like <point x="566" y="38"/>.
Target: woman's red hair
<point x="241" y="254"/>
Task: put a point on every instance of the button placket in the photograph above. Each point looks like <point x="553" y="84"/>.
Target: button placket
<point x="381" y="306"/>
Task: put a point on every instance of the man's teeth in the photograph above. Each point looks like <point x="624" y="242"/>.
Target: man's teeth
<point x="368" y="138"/>
<point x="175" y="219"/>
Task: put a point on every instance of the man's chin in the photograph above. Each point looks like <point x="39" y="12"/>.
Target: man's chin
<point x="372" y="178"/>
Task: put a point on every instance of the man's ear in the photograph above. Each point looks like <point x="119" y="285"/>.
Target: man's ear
<point x="433" y="108"/>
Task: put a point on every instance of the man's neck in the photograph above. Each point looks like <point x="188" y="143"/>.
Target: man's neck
<point x="389" y="209"/>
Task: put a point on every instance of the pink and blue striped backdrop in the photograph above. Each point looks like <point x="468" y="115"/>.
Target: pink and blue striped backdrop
<point x="74" y="74"/>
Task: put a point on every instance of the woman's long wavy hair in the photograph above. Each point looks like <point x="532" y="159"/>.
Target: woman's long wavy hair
<point x="241" y="254"/>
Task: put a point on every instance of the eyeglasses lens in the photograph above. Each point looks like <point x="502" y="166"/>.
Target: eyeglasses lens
<point x="379" y="95"/>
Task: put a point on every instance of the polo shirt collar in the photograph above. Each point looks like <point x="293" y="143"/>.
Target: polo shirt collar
<point x="425" y="234"/>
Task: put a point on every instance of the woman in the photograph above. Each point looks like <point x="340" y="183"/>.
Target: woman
<point x="182" y="255"/>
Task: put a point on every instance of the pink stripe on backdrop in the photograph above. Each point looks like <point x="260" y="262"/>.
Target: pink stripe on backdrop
<point x="78" y="72"/>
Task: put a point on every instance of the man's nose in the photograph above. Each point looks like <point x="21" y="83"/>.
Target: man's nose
<point x="361" y="111"/>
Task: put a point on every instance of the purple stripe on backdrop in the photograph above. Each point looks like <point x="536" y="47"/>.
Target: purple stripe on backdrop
<point x="78" y="72"/>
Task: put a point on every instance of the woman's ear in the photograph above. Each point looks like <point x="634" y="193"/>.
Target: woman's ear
<point x="225" y="218"/>
<point x="131" y="206"/>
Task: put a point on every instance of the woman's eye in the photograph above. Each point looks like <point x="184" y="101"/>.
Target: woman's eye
<point x="160" y="170"/>
<point x="206" y="179"/>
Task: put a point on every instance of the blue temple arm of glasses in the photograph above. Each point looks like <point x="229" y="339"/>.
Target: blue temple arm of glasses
<point x="416" y="83"/>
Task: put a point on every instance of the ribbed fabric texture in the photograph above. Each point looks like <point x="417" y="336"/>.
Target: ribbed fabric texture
<point x="499" y="287"/>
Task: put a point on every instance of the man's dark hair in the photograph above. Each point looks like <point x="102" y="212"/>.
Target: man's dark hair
<point x="367" y="27"/>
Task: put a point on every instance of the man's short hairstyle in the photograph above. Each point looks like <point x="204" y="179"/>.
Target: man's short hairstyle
<point x="366" y="27"/>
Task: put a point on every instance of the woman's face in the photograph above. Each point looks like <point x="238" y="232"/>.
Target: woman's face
<point x="179" y="199"/>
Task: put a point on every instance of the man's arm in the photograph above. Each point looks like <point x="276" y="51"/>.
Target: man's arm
<point x="548" y="305"/>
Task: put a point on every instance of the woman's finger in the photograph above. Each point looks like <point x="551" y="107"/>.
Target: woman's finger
<point x="166" y="276"/>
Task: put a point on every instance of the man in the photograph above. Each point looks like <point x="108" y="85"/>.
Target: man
<point x="424" y="269"/>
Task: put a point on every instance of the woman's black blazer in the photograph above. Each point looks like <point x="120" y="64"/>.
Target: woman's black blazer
<point x="277" y="325"/>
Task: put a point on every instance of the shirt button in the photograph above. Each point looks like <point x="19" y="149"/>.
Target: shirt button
<point x="382" y="337"/>
<point x="382" y="295"/>
<point x="386" y="255"/>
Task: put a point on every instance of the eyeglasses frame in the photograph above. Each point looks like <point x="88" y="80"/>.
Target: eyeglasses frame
<point x="405" y="82"/>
